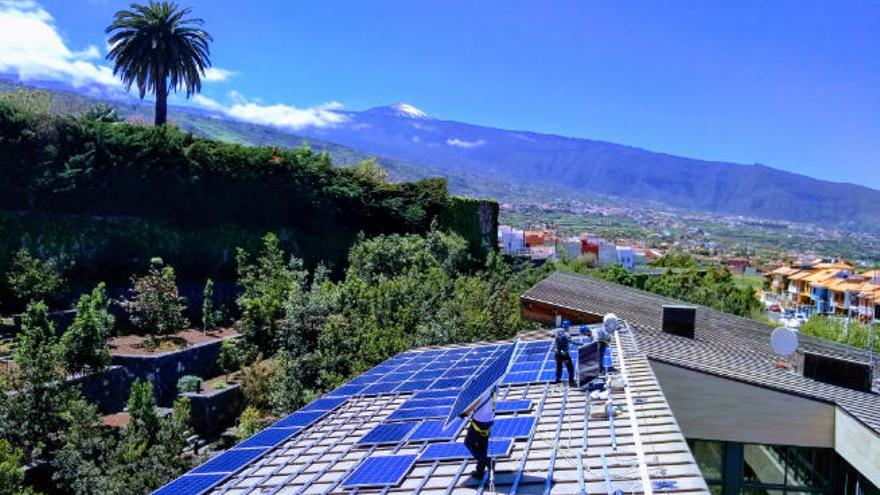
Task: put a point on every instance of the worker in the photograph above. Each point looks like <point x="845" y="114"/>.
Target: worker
<point x="477" y="438"/>
<point x="563" y="344"/>
<point x="603" y="335"/>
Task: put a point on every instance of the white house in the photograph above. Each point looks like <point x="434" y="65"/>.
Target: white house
<point x="511" y="240"/>
<point x="626" y="256"/>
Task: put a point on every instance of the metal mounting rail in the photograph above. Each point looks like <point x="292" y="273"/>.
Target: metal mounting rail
<point x="647" y="488"/>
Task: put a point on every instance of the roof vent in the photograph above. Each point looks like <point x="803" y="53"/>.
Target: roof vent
<point x="836" y="371"/>
<point x="679" y="320"/>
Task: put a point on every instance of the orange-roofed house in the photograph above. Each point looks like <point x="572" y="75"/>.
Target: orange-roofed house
<point x="820" y="284"/>
<point x="778" y="279"/>
<point x="535" y="238"/>
<point x="799" y="288"/>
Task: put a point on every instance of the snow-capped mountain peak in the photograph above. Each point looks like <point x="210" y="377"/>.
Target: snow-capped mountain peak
<point x="401" y="109"/>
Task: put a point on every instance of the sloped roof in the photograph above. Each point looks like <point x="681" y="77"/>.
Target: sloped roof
<point x="323" y="455"/>
<point x="724" y="345"/>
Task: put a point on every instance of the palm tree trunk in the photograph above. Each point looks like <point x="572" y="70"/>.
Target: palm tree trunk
<point x="161" y="102"/>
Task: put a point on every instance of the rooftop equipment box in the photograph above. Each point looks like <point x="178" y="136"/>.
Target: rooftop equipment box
<point x="836" y="371"/>
<point x="679" y="320"/>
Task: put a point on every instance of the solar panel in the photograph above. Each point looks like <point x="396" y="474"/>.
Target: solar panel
<point x="325" y="404"/>
<point x="364" y="379"/>
<point x="418" y="413"/>
<point x="519" y="427"/>
<point x="347" y="390"/>
<point x="396" y="377"/>
<point x="479" y="384"/>
<point x="530" y="358"/>
<point x="378" y="471"/>
<point x="408" y="368"/>
<point x="269" y="437"/>
<point x="414" y="385"/>
<point x="431" y="374"/>
<point x="380" y="388"/>
<point x="430" y="394"/>
<point x="455" y="451"/>
<point x="299" y="419"/>
<point x="387" y="433"/>
<point x="550" y="375"/>
<point x="230" y="461"/>
<point x="506" y="406"/>
<point x="191" y="484"/>
<point x="449" y="383"/>
<point x="440" y="401"/>
<point x="530" y="366"/>
<point x="521" y="377"/>
<point x="437" y="365"/>
<point x="433" y="430"/>
<point x="459" y="371"/>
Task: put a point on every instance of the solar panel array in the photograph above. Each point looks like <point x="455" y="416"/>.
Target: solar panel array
<point x="480" y="383"/>
<point x="434" y="379"/>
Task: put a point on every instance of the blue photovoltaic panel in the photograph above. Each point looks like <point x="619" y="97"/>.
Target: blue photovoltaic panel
<point x="431" y="374"/>
<point x="409" y="368"/>
<point x="269" y="437"/>
<point x="418" y="413"/>
<point x="431" y="394"/>
<point x="396" y="377"/>
<point x="387" y="433"/>
<point x="299" y="419"/>
<point x="534" y="366"/>
<point x="459" y="371"/>
<point x="449" y="383"/>
<point x="377" y="471"/>
<point x="414" y="385"/>
<point x="348" y="390"/>
<point x="364" y="380"/>
<point x="437" y="365"/>
<point x="230" y="461"/>
<point x="191" y="484"/>
<point x="521" y="377"/>
<point x="455" y="451"/>
<point x="479" y="384"/>
<point x="505" y="406"/>
<point x="433" y="431"/>
<point x="380" y="388"/>
<point x="440" y="401"/>
<point x="550" y="375"/>
<point x="530" y="358"/>
<point x="325" y="404"/>
<point x="518" y="427"/>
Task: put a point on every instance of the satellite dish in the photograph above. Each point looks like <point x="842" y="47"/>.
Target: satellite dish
<point x="784" y="341"/>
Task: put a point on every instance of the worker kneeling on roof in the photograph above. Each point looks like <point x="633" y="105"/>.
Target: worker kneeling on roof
<point x="477" y="438"/>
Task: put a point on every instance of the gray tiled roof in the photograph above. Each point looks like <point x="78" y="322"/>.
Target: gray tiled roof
<point x="724" y="345"/>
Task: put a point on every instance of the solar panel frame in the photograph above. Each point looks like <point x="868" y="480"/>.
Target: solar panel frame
<point x="433" y="402"/>
<point x="299" y="419"/>
<point x="460" y="371"/>
<point x="512" y="406"/>
<point x="453" y="451"/>
<point x="418" y="413"/>
<point x="433" y="430"/>
<point x="530" y="366"/>
<point x="480" y="383"/>
<point x="518" y="427"/>
<point x="380" y="471"/>
<point x="413" y="385"/>
<point x="190" y="484"/>
<point x="396" y="377"/>
<point x="230" y="461"/>
<point x="380" y="388"/>
<point x="521" y="377"/>
<point x="456" y="382"/>
<point x="431" y="394"/>
<point x="270" y="437"/>
<point x="387" y="433"/>
<point x="348" y="390"/>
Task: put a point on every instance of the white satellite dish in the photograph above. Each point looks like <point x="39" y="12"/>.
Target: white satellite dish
<point x="784" y="341"/>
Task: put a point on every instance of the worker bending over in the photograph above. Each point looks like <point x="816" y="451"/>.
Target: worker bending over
<point x="603" y="335"/>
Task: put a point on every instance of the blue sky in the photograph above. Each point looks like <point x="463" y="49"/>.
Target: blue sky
<point x="790" y="84"/>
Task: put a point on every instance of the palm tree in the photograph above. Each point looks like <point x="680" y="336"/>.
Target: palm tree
<point x="158" y="48"/>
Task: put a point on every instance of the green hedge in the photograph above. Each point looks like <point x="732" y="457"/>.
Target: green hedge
<point x="476" y="220"/>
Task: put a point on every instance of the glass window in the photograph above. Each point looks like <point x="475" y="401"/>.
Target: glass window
<point x="710" y="458"/>
<point x="807" y="467"/>
<point x="764" y="465"/>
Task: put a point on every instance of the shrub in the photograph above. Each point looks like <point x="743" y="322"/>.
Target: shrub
<point x="249" y="423"/>
<point x="84" y="344"/>
<point x="189" y="384"/>
<point x="31" y="278"/>
<point x="36" y="346"/>
<point x="256" y="381"/>
<point x="209" y="316"/>
<point x="156" y="305"/>
<point x="227" y="359"/>
<point x="219" y="384"/>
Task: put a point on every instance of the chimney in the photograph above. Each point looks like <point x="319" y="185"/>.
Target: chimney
<point x="679" y="320"/>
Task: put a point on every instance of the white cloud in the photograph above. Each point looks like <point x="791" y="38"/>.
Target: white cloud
<point x="32" y="48"/>
<point x="278" y="115"/>
<point x="460" y="143"/>
<point x="216" y="74"/>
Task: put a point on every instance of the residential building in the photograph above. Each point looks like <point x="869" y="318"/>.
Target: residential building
<point x="535" y="238"/>
<point x="511" y="240"/>
<point x="572" y="247"/>
<point x="607" y="254"/>
<point x="626" y="257"/>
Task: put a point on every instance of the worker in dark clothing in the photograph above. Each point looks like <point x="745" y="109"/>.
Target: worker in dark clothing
<point x="563" y="343"/>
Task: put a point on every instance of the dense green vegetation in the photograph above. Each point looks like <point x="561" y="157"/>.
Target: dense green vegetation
<point x="854" y="333"/>
<point x="713" y="286"/>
